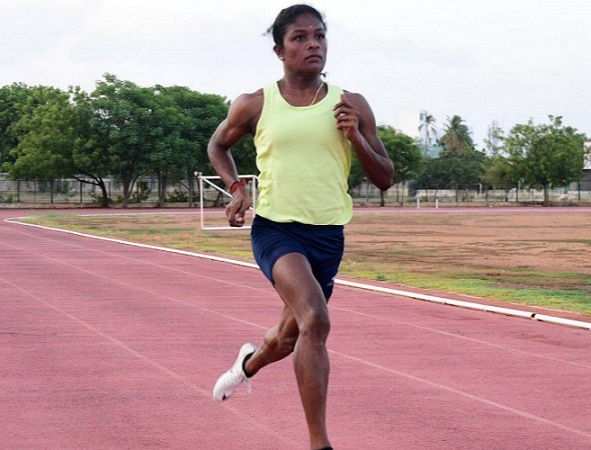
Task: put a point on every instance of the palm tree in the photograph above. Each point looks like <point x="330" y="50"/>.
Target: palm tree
<point x="428" y="127"/>
<point x="457" y="135"/>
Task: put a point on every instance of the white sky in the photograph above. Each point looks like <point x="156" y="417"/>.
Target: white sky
<point x="504" y="60"/>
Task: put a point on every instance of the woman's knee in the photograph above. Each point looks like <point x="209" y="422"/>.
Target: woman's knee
<point x="316" y="324"/>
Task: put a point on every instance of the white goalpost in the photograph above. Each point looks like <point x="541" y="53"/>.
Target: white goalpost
<point x="207" y="180"/>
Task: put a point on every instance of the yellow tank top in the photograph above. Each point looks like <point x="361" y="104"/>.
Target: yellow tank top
<point x="304" y="161"/>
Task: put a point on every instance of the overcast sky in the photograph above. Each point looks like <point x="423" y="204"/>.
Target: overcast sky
<point x="504" y="60"/>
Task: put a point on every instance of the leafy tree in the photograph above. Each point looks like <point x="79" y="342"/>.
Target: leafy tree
<point x="39" y="151"/>
<point x="165" y="156"/>
<point x="546" y="155"/>
<point x="11" y="99"/>
<point x="457" y="135"/>
<point x="499" y="173"/>
<point x="92" y="162"/>
<point x="463" y="170"/>
<point x="16" y="101"/>
<point x="56" y="141"/>
<point x="453" y="170"/>
<point x="196" y="117"/>
<point x="404" y="151"/>
<point x="432" y="176"/>
<point x="125" y="114"/>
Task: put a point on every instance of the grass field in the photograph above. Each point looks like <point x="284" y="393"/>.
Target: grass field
<point x="534" y="258"/>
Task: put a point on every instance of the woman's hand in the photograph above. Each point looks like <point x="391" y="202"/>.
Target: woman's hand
<point x="357" y="122"/>
<point x="347" y="116"/>
<point x="236" y="209"/>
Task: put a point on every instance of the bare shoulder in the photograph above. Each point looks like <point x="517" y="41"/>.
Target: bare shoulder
<point x="360" y="102"/>
<point x="246" y="109"/>
<point x="357" y="99"/>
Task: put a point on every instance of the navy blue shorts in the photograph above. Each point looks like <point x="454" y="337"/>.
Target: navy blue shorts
<point x="322" y="245"/>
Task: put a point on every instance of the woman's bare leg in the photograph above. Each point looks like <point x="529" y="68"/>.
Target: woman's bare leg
<point x="306" y="308"/>
<point x="278" y="343"/>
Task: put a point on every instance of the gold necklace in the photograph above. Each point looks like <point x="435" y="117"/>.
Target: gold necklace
<point x="317" y="92"/>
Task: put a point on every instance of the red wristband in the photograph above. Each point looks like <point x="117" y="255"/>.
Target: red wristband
<point x="235" y="185"/>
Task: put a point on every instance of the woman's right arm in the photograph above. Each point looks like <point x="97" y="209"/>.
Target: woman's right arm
<point x="241" y="121"/>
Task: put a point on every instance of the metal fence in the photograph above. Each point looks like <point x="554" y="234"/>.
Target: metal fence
<point x="72" y="192"/>
<point x="78" y="192"/>
<point x="36" y="191"/>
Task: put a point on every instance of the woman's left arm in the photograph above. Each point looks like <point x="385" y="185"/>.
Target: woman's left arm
<point x="357" y="121"/>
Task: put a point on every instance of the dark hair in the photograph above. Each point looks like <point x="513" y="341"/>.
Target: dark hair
<point x="287" y="17"/>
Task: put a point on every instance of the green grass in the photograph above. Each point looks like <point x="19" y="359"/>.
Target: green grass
<point x="510" y="288"/>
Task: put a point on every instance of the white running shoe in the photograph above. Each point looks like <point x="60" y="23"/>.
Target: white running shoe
<point x="233" y="378"/>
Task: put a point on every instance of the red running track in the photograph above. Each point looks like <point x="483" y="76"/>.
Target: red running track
<point x="107" y="346"/>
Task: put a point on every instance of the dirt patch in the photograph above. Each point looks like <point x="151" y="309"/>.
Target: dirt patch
<point x="531" y="240"/>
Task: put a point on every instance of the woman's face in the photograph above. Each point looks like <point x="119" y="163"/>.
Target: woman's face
<point x="304" y="45"/>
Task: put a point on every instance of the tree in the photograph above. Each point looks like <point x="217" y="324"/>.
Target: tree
<point x="433" y="175"/>
<point x="457" y="135"/>
<point x="17" y="101"/>
<point x="429" y="129"/>
<point x="56" y="141"/>
<point x="453" y="170"/>
<point x="546" y="155"/>
<point x="166" y="156"/>
<point x="12" y="100"/>
<point x="197" y="117"/>
<point x="125" y="114"/>
<point x="39" y="151"/>
<point x="404" y="151"/>
<point x="121" y="129"/>
<point x="463" y="170"/>
<point x="499" y="173"/>
<point x="91" y="160"/>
